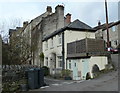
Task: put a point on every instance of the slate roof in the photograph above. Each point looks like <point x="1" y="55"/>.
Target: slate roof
<point x="113" y="24"/>
<point x="103" y="26"/>
<point x="75" y="25"/>
<point x="79" y="25"/>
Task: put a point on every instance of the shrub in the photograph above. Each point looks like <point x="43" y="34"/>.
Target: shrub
<point x="66" y="73"/>
<point x="46" y="70"/>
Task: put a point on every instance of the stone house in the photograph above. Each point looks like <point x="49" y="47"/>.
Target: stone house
<point x="101" y="33"/>
<point x="0" y="64"/>
<point x="40" y="27"/>
<point x="55" y="44"/>
<point x="86" y="57"/>
<point x="0" y="51"/>
<point x="49" y="23"/>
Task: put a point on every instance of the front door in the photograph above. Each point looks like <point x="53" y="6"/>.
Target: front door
<point x="75" y="70"/>
<point x="85" y="67"/>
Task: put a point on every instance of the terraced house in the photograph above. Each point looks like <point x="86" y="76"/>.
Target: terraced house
<point x="56" y="50"/>
<point x="50" y="33"/>
<point x="39" y="27"/>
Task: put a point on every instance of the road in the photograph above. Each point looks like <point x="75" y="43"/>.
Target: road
<point x="115" y="59"/>
<point x="106" y="82"/>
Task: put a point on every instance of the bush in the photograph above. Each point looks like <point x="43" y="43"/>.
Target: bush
<point x="66" y="73"/>
<point x="46" y="70"/>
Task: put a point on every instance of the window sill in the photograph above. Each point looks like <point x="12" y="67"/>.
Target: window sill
<point x="51" y="47"/>
<point x="59" y="45"/>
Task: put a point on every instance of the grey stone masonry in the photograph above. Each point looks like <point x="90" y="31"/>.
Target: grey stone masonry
<point x="0" y="64"/>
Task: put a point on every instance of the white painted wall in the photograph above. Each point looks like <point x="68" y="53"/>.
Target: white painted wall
<point x="100" y="61"/>
<point x="57" y="49"/>
<point x="71" y="36"/>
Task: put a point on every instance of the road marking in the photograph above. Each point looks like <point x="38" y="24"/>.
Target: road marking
<point x="56" y="84"/>
<point x="69" y="82"/>
<point x="44" y="87"/>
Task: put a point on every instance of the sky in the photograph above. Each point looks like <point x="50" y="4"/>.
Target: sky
<point x="88" y="12"/>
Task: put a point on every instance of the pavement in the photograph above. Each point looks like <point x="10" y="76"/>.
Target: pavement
<point x="106" y="82"/>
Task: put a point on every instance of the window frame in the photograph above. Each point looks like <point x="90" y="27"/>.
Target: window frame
<point x="70" y="64"/>
<point x="60" y="39"/>
<point x="46" y="45"/>
<point x="59" y="61"/>
<point x="46" y="58"/>
<point x="52" y="45"/>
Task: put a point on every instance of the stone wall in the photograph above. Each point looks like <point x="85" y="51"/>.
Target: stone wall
<point x="53" y="22"/>
<point x="36" y="43"/>
<point x="113" y="36"/>
<point x="0" y="63"/>
<point x="48" y="25"/>
<point x="0" y="50"/>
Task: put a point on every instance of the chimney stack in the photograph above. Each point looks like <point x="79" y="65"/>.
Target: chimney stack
<point x="59" y="8"/>
<point x="49" y="9"/>
<point x="68" y="18"/>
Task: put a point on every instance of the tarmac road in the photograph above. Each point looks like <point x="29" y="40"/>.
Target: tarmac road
<point x="106" y="82"/>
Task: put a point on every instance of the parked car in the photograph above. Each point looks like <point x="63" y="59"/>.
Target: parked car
<point x="112" y="50"/>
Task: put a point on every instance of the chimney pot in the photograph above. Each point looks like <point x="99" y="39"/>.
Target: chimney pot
<point x="68" y="18"/>
<point x="99" y="23"/>
<point x="59" y="7"/>
<point x="25" y="23"/>
<point x="49" y="9"/>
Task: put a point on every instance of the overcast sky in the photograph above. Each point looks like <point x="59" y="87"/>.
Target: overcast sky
<point x="87" y="12"/>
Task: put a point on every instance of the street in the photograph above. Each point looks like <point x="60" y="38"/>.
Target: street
<point x="106" y="82"/>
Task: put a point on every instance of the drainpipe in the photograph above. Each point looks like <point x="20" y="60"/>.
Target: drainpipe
<point x="63" y="52"/>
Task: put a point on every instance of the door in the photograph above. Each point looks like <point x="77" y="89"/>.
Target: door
<point x="75" y="70"/>
<point x="85" y="67"/>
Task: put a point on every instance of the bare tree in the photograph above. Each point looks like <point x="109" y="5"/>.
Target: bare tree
<point x="20" y="51"/>
<point x="6" y="24"/>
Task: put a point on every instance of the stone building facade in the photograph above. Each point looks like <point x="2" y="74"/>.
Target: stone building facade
<point x="0" y="64"/>
<point x="0" y="50"/>
<point x="55" y="44"/>
<point x="45" y="27"/>
<point x="101" y="33"/>
<point x="40" y="27"/>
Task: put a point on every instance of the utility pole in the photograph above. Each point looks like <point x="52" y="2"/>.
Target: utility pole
<point x="108" y="42"/>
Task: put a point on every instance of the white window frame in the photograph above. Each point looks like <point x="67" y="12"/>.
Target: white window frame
<point x="46" y="45"/>
<point x="60" y="39"/>
<point x="115" y="42"/>
<point x="52" y="42"/>
<point x="69" y="64"/>
<point x="60" y="61"/>
<point x="46" y="58"/>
